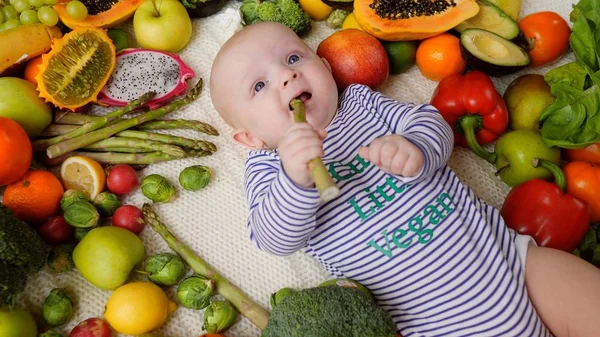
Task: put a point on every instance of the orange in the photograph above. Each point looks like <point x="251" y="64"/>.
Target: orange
<point x="35" y="197"/>
<point x="32" y="69"/>
<point x="439" y="56"/>
<point x="15" y="151"/>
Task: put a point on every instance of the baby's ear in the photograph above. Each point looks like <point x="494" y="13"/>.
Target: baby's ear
<point x="247" y="139"/>
<point x="326" y="63"/>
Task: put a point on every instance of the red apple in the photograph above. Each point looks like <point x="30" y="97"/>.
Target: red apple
<point x="355" y="57"/>
<point x="92" y="327"/>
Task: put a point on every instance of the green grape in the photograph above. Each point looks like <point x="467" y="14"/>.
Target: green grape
<point x="1" y="17"/>
<point x="29" y="17"/>
<point x="10" y="12"/>
<point x="49" y="2"/>
<point x="47" y="16"/>
<point x="36" y="3"/>
<point x="12" y="23"/>
<point x="77" y="10"/>
<point x="12" y="2"/>
<point x="21" y="5"/>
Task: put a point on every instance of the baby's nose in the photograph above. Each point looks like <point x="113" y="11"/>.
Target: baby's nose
<point x="287" y="79"/>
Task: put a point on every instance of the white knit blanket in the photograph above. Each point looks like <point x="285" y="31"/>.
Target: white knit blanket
<point x="213" y="221"/>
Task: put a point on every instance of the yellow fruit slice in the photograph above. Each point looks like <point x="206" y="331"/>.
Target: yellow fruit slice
<point x="138" y="307"/>
<point x="350" y="22"/>
<point x="77" y="68"/>
<point x="83" y="174"/>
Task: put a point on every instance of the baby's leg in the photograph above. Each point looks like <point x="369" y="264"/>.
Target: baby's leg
<point x="565" y="291"/>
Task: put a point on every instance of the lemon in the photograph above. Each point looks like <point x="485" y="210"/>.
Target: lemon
<point x="316" y="9"/>
<point x="83" y="174"/>
<point x="350" y="22"/>
<point x="138" y="307"/>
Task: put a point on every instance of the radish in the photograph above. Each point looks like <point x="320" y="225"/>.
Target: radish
<point x="56" y="230"/>
<point x="129" y="217"/>
<point x="122" y="179"/>
<point x="92" y="327"/>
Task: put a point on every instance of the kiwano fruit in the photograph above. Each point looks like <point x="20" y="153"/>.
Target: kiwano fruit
<point x="77" y="68"/>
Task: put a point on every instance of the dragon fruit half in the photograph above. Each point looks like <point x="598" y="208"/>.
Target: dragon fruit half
<point x="141" y="70"/>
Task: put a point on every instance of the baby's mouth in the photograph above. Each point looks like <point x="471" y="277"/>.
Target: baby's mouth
<point x="304" y="97"/>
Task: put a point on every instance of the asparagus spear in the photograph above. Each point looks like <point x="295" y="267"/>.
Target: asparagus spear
<point x="169" y="139"/>
<point x="117" y="149"/>
<point x="122" y="158"/>
<point x="163" y="124"/>
<point x="244" y="304"/>
<point x="57" y="129"/>
<point x="94" y="136"/>
<point x="134" y="143"/>
<point x="323" y="181"/>
<point x="95" y="124"/>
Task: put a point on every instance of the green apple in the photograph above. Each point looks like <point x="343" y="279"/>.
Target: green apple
<point x="162" y="25"/>
<point x="17" y="322"/>
<point x="107" y="255"/>
<point x="19" y="101"/>
<point x="526" y="97"/>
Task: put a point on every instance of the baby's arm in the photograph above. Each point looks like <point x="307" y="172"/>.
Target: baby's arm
<point x="282" y="213"/>
<point x="422" y="141"/>
<point x="565" y="291"/>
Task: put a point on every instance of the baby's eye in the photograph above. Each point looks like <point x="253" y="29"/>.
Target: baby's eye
<point x="258" y="86"/>
<point x="293" y="59"/>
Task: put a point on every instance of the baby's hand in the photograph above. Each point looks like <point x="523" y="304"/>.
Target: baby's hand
<point x="299" y="145"/>
<point x="395" y="155"/>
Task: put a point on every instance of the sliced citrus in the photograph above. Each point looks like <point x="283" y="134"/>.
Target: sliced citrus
<point x="83" y="174"/>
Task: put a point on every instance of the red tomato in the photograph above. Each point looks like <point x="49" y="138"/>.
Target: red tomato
<point x="129" y="217"/>
<point x="590" y="154"/>
<point x="56" y="230"/>
<point x="548" y="36"/>
<point x="122" y="179"/>
<point x="92" y="327"/>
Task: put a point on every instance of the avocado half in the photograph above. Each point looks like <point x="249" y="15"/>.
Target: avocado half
<point x="341" y="4"/>
<point x="492" y="19"/>
<point x="491" y="53"/>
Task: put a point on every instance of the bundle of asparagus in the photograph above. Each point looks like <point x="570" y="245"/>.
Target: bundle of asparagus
<point x="112" y="139"/>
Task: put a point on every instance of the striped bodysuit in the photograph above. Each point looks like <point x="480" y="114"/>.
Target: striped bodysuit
<point x="441" y="261"/>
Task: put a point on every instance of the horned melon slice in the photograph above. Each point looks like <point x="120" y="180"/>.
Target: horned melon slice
<point x="77" y="68"/>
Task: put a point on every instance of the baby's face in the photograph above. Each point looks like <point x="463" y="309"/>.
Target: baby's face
<point x="266" y="69"/>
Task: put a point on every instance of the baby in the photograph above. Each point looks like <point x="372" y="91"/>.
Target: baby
<point x="441" y="261"/>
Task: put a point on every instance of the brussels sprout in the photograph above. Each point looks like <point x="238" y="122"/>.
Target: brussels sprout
<point x="107" y="203"/>
<point x="165" y="269"/>
<point x="58" y="307"/>
<point x="70" y="197"/>
<point x="51" y="333"/>
<point x="81" y="232"/>
<point x="194" y="292"/>
<point x="280" y="295"/>
<point x="60" y="259"/>
<point x="81" y="214"/>
<point x="219" y="316"/>
<point x="158" y="189"/>
<point x="194" y="178"/>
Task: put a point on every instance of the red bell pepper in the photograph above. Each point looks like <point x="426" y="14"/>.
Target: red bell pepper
<point x="474" y="109"/>
<point x="583" y="181"/>
<point x="542" y="210"/>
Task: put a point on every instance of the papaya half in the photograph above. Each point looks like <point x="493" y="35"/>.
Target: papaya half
<point x="119" y="12"/>
<point x="406" y="20"/>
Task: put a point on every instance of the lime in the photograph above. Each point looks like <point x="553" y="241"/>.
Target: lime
<point x="401" y="54"/>
<point x="119" y="37"/>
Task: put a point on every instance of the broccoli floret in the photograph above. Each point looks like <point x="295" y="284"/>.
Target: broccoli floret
<point x="329" y="311"/>
<point x="22" y="251"/>
<point x="286" y="12"/>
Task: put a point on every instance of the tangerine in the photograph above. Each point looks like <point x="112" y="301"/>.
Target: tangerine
<point x="32" y="69"/>
<point x="35" y="197"/>
<point x="15" y="151"/>
<point x="440" y="56"/>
